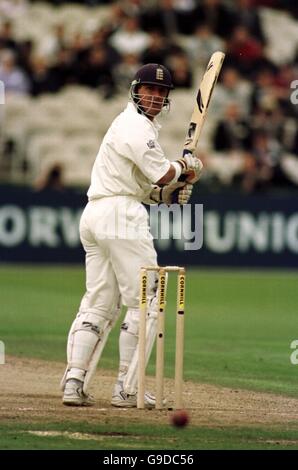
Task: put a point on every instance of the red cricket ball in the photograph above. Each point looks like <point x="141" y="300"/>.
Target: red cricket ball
<point x="180" y="418"/>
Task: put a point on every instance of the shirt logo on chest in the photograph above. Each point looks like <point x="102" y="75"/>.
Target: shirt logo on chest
<point x="151" y="144"/>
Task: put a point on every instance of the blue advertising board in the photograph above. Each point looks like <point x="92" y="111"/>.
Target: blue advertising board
<point x="215" y="230"/>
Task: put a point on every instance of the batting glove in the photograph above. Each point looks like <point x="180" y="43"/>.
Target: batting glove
<point x="191" y="167"/>
<point x="184" y="194"/>
<point x="188" y="162"/>
<point x="166" y="194"/>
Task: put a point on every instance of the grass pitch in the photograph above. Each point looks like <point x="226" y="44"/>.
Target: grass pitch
<point x="238" y="325"/>
<point x="55" y="436"/>
<point x="238" y="330"/>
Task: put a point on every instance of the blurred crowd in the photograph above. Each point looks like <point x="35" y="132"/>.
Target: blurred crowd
<point x="254" y="107"/>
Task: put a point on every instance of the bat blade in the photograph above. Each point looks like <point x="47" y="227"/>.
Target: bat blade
<point x="202" y="101"/>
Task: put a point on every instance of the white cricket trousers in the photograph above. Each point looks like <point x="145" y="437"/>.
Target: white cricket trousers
<point x="115" y="235"/>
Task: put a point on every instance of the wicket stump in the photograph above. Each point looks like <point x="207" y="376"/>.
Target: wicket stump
<point x="159" y="371"/>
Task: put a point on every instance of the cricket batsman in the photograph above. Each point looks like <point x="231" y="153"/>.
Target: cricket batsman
<point x="130" y="169"/>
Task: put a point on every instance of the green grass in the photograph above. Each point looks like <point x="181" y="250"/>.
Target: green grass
<point x="141" y="437"/>
<point x="239" y="325"/>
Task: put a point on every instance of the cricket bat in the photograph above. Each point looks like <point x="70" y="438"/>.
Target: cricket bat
<point x="202" y="101"/>
<point x="201" y="107"/>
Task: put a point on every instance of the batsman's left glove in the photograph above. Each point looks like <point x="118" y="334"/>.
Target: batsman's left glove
<point x="166" y="193"/>
<point x="184" y="194"/>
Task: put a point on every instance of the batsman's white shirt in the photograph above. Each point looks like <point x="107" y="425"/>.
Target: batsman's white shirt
<point x="114" y="226"/>
<point x="129" y="159"/>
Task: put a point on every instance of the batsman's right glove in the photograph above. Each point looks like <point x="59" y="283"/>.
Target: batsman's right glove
<point x="191" y="167"/>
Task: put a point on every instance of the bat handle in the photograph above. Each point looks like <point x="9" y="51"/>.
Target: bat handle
<point x="186" y="151"/>
<point x="176" y="192"/>
<point x="181" y="178"/>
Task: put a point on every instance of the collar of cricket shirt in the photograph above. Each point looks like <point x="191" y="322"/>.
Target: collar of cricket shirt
<point x="155" y="124"/>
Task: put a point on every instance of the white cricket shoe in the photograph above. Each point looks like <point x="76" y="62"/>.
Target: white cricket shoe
<point x="124" y="400"/>
<point x="74" y="395"/>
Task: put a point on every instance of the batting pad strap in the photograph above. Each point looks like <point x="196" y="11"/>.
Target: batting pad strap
<point x="178" y="171"/>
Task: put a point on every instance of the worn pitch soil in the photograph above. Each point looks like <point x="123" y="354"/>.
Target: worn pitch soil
<point x="30" y="394"/>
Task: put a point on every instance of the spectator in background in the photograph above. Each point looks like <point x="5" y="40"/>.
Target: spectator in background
<point x="282" y="80"/>
<point x="295" y="63"/>
<point x="157" y="50"/>
<point x="97" y="72"/>
<point x="132" y="7"/>
<point x="13" y="8"/>
<point x="276" y="124"/>
<point x="246" y="53"/>
<point x="231" y="88"/>
<point x="247" y="15"/>
<point x="269" y="3"/>
<point x="162" y="18"/>
<point x="233" y="132"/>
<point x="79" y="45"/>
<point x="268" y="119"/>
<point x="186" y="16"/>
<point x="125" y="71"/>
<point x="115" y="19"/>
<point x="293" y="146"/>
<point x="289" y="5"/>
<point x="52" y="43"/>
<point x="264" y="95"/>
<point x="14" y="79"/>
<point x="202" y="44"/>
<point x="130" y="39"/>
<point x="64" y="70"/>
<point x="24" y="53"/>
<point x="218" y="15"/>
<point x="180" y="69"/>
<point x="100" y="40"/>
<point x="7" y="40"/>
<point x="263" y="164"/>
<point x="52" y="180"/>
<point x="252" y="174"/>
<point x="41" y="80"/>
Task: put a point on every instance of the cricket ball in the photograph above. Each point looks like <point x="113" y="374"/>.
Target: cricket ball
<point x="180" y="418"/>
